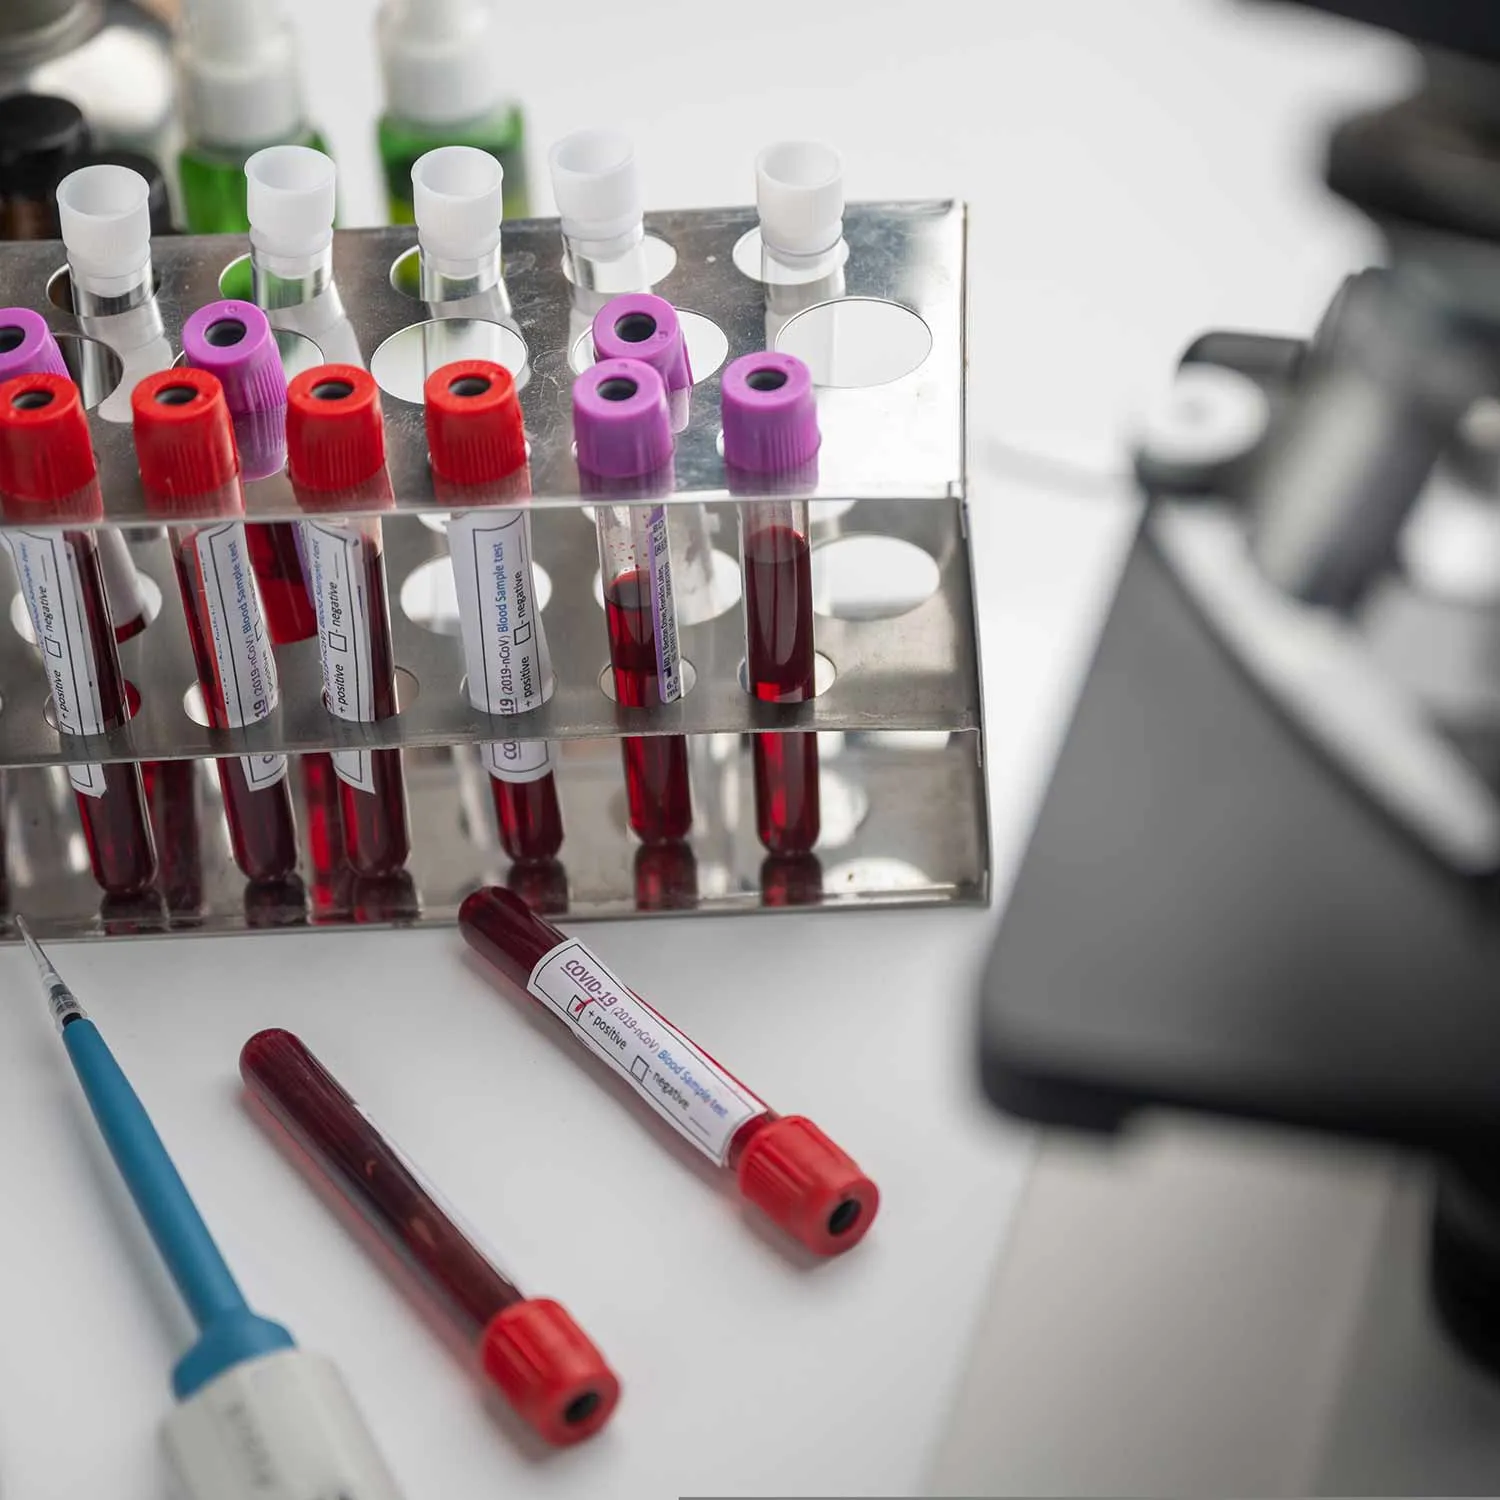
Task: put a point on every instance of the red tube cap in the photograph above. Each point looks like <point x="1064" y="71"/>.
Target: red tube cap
<point x="475" y="431"/>
<point x="335" y="434"/>
<point x="184" y="441"/>
<point x="811" y="1188"/>
<point x="46" y="456"/>
<point x="548" y="1369"/>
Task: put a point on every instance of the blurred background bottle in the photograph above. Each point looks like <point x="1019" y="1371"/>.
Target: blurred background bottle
<point x="441" y="61"/>
<point x="112" y="58"/>
<point x="241" y="89"/>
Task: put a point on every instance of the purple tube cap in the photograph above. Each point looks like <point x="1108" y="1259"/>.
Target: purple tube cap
<point x="770" y="414"/>
<point x="644" y="327"/>
<point x="620" y="421"/>
<point x="26" y="345"/>
<point x="234" y="341"/>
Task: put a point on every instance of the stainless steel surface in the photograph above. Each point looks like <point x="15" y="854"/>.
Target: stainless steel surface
<point x="904" y="810"/>
<point x="904" y="824"/>
<point x="913" y="671"/>
<point x="901" y="439"/>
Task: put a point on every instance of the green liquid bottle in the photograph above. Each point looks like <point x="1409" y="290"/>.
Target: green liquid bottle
<point x="240" y="90"/>
<point x="440" y="60"/>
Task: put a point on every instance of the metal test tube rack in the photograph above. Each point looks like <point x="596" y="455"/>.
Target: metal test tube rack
<point x="899" y="706"/>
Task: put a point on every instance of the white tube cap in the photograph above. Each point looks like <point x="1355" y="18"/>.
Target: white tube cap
<point x="237" y="74"/>
<point x="105" y="214"/>
<point x="598" y="191"/>
<point x="291" y="195"/>
<point x="458" y="203"/>
<point x="799" y="193"/>
<point x="440" y="59"/>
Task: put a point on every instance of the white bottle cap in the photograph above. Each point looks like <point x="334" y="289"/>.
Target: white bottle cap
<point x="799" y="192"/>
<point x="598" y="191"/>
<point x="105" y="215"/>
<point x="457" y="202"/>
<point x="291" y="194"/>
<point x="440" y="59"/>
<point x="281" y="1427"/>
<point x="237" y="74"/>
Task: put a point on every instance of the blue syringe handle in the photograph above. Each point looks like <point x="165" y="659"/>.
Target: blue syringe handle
<point x="230" y="1331"/>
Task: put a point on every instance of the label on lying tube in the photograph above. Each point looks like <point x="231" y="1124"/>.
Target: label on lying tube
<point x="47" y="567"/>
<point x="245" y="668"/>
<point x="505" y="646"/>
<point x="336" y="568"/>
<point x="677" y="1079"/>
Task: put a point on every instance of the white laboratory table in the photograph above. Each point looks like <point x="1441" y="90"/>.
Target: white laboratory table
<point x="1136" y="173"/>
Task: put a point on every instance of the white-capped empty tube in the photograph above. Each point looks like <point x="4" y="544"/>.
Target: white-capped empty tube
<point x="458" y="205"/>
<point x="597" y="188"/>
<point x="290" y="197"/>
<point x="799" y="196"/>
<point x="105" y="215"/>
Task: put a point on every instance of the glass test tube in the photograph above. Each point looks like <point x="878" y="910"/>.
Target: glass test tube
<point x="784" y="1164"/>
<point x="336" y="458"/>
<point x="477" y="443"/>
<point x="232" y="339"/>
<point x="533" y="1351"/>
<point x="624" y="442"/>
<point x="48" y="478"/>
<point x="185" y="446"/>
<point x="771" y="441"/>
<point x="458" y="202"/>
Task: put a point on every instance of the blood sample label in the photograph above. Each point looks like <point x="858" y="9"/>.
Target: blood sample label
<point x="47" y="566"/>
<point x="680" y="1082"/>
<point x="664" y="610"/>
<point x="517" y="760"/>
<point x="246" y="670"/>
<point x="335" y="556"/>
<point x="504" y="645"/>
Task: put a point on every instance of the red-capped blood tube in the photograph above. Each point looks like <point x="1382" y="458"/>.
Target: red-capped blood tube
<point x="542" y="1361"/>
<point x="477" y="443"/>
<point x="624" y="440"/>
<point x="335" y="439"/>
<point x="770" y="449"/>
<point x="185" y="446"/>
<point x="784" y="1164"/>
<point x="48" y="479"/>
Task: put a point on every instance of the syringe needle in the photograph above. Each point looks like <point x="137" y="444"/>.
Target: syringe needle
<point x="61" y="1000"/>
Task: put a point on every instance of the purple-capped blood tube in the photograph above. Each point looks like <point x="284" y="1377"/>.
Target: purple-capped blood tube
<point x="233" y="340"/>
<point x="624" y="440"/>
<point x="643" y="326"/>
<point x="771" y="441"/>
<point x="27" y="346"/>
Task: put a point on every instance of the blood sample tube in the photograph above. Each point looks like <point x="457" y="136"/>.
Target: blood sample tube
<point x="771" y="443"/>
<point x="171" y="788"/>
<point x="624" y="441"/>
<point x="336" y="457"/>
<point x="48" y="478"/>
<point x="185" y="447"/>
<point x="784" y="1164"/>
<point x="27" y="347"/>
<point x="233" y="341"/>
<point x="477" y="444"/>
<point x="331" y="875"/>
<point x="529" y="1347"/>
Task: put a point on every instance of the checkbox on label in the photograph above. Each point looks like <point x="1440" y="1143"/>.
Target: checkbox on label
<point x="639" y="1068"/>
<point x="337" y="641"/>
<point x="523" y="634"/>
<point x="54" y="648"/>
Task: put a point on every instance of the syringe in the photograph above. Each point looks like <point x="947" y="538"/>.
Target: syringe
<point x="784" y="1164"/>
<point x="258" y="1419"/>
